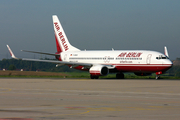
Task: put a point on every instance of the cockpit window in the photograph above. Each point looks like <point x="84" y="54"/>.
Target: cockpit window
<point x="162" y="57"/>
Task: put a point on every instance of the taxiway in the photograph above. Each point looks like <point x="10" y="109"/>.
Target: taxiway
<point x="101" y="99"/>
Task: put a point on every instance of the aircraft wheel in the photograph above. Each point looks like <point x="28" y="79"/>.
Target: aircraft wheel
<point x="119" y="76"/>
<point x="94" y="77"/>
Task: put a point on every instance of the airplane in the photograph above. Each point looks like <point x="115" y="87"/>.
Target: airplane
<point x="103" y="62"/>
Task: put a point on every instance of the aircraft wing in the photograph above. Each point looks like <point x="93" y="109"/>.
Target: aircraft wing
<point x="75" y="64"/>
<point x="59" y="63"/>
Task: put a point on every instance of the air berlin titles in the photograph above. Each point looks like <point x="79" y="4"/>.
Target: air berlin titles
<point x="63" y="41"/>
<point x="130" y="54"/>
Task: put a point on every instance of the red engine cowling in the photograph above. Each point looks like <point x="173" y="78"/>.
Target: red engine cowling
<point x="99" y="70"/>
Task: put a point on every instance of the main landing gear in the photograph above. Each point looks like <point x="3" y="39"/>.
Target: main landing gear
<point x="119" y="76"/>
<point x="94" y="77"/>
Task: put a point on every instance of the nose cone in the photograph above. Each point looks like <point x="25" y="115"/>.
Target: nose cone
<point x="169" y="63"/>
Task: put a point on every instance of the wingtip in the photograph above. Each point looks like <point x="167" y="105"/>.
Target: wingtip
<point x="11" y="53"/>
<point x="166" y="51"/>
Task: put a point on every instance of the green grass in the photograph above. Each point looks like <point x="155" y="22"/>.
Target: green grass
<point x="29" y="76"/>
<point x="87" y="75"/>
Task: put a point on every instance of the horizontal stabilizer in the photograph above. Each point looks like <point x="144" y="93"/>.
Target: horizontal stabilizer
<point x="40" y="52"/>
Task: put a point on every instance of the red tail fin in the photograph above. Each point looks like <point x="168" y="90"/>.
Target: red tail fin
<point x="62" y="42"/>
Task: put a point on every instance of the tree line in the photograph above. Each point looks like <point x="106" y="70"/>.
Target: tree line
<point x="13" y="64"/>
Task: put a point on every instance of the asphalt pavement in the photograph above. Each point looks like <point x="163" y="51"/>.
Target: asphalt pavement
<point x="102" y="99"/>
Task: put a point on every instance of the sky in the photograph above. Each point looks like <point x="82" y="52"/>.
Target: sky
<point x="90" y="25"/>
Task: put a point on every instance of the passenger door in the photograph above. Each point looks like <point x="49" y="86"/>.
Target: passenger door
<point x="148" y="60"/>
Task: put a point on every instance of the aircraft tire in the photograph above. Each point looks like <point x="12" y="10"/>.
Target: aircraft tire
<point x="119" y="76"/>
<point x="94" y="77"/>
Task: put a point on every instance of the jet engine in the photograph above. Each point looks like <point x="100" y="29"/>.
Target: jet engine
<point x="99" y="70"/>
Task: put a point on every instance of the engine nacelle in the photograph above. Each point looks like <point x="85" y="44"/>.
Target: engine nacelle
<point x="142" y="74"/>
<point x="99" y="70"/>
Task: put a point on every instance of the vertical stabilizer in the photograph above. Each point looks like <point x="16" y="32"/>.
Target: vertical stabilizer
<point x="62" y="42"/>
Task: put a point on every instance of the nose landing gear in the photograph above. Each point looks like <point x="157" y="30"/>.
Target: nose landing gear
<point x="157" y="75"/>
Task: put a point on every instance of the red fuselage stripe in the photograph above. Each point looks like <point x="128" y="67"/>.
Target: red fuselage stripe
<point x="149" y="68"/>
<point x="143" y="68"/>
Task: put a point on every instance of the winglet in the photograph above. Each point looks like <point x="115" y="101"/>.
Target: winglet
<point x="166" y="51"/>
<point x="12" y="54"/>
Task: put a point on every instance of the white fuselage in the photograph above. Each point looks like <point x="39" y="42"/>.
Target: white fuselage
<point x="123" y="60"/>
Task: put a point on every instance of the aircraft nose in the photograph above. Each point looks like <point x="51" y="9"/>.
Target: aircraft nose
<point x="170" y="63"/>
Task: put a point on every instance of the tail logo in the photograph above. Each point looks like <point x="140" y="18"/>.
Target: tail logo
<point x="61" y="37"/>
